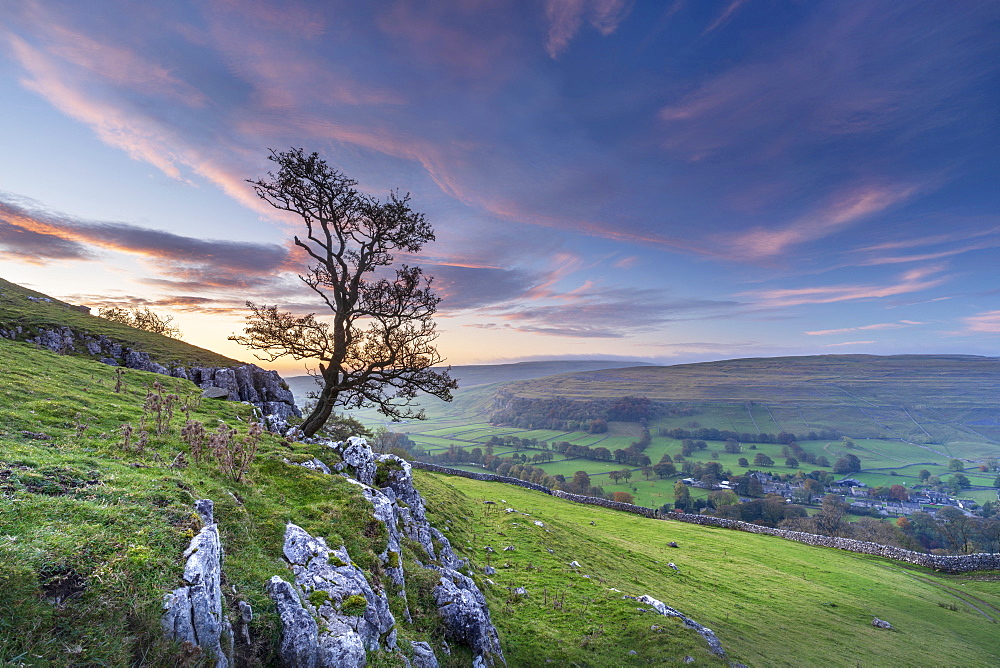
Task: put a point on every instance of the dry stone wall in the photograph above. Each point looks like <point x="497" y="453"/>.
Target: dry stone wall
<point x="951" y="564"/>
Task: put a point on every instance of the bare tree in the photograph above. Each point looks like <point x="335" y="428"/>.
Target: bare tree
<point x="378" y="349"/>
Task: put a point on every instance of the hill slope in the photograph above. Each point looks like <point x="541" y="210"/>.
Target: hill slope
<point x="26" y="317"/>
<point x="473" y="375"/>
<point x="927" y="398"/>
<point x="93" y="530"/>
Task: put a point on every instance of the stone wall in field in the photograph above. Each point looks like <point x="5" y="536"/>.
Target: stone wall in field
<point x="951" y="564"/>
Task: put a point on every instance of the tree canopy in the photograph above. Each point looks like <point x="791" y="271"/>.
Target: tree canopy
<point x="376" y="345"/>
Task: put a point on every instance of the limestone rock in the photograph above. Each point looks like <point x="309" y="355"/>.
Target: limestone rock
<point x="299" y="631"/>
<point x="352" y="618"/>
<point x="316" y="465"/>
<point x="193" y="612"/>
<point x="215" y="393"/>
<point x="358" y="459"/>
<point x="466" y="615"/>
<point x="713" y="642"/>
<point x="881" y="623"/>
<point x="423" y="655"/>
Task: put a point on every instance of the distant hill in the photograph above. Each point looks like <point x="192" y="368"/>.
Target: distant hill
<point x="484" y="374"/>
<point x="928" y="398"/>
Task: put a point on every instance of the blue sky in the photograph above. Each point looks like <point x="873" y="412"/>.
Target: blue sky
<point x="665" y="181"/>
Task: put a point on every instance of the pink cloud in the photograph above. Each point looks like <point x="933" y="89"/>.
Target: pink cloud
<point x="566" y="17"/>
<point x="121" y="67"/>
<point x="987" y="322"/>
<point x="627" y="262"/>
<point x="842" y="211"/>
<point x="431" y="35"/>
<point x="882" y="325"/>
<point x="141" y="139"/>
<point x="915" y="280"/>
<point x="724" y="17"/>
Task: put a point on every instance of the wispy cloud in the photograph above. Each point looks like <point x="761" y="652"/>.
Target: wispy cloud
<point x="31" y="234"/>
<point x="883" y="253"/>
<point x="848" y="343"/>
<point x="566" y="18"/>
<point x="812" y="91"/>
<point x="599" y="312"/>
<point x="841" y="212"/>
<point x="724" y="17"/>
<point x="881" y="325"/>
<point x="987" y="322"/>
<point x="915" y="280"/>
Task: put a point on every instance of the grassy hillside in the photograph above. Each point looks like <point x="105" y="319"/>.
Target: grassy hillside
<point x="17" y="310"/>
<point x="771" y="602"/>
<point x="93" y="531"/>
<point x="928" y="398"/>
<point x="94" y="525"/>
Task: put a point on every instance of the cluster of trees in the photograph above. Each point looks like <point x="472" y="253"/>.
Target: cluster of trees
<point x="570" y="415"/>
<point x="142" y="318"/>
<point x="713" y="434"/>
<point x="951" y="531"/>
<point x="632" y="455"/>
<point x="847" y="464"/>
<point x="794" y="451"/>
<point x="952" y="485"/>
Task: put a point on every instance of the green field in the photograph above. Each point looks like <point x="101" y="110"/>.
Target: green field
<point x="943" y="399"/>
<point x="771" y="602"/>
<point x="894" y="408"/>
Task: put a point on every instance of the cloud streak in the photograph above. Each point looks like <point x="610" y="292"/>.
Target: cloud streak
<point x="987" y="322"/>
<point x="916" y="280"/>
<point x="881" y="325"/>
<point x="596" y="312"/>
<point x="30" y="234"/>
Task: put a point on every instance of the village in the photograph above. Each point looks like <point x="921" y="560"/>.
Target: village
<point x="859" y="497"/>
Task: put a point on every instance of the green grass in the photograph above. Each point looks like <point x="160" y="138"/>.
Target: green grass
<point x="948" y="399"/>
<point x="91" y="537"/>
<point x="771" y="602"/>
<point x="91" y="534"/>
<point x="16" y="310"/>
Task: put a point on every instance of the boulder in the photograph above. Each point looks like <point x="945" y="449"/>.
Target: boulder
<point x="215" y="393"/>
<point x="358" y="460"/>
<point x="466" y="615"/>
<point x="881" y="623"/>
<point x="423" y="655"/>
<point x="299" y="631"/>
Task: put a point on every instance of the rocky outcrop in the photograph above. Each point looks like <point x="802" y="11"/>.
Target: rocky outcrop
<point x="248" y="382"/>
<point x="346" y="616"/>
<point x="659" y="606"/>
<point x="264" y="389"/>
<point x="193" y="612"/>
<point x="386" y="481"/>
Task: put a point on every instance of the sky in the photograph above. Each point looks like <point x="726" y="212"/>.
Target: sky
<point x="666" y="181"/>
